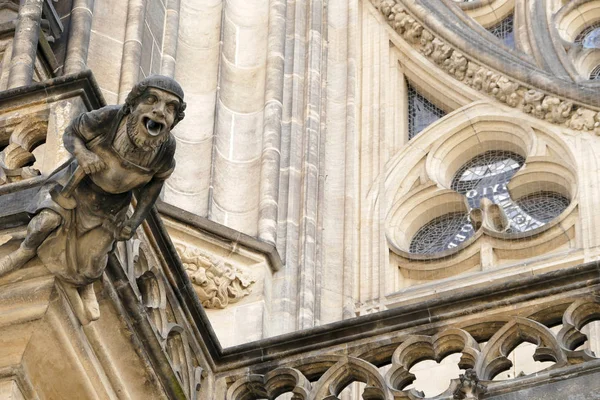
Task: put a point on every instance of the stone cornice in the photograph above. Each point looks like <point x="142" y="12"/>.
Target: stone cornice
<point x="222" y="231"/>
<point x="571" y="112"/>
<point x="464" y="302"/>
<point x="81" y="84"/>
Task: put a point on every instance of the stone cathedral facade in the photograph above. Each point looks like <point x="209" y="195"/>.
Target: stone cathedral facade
<point x="373" y="199"/>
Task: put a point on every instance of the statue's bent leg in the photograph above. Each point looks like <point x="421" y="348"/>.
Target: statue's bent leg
<point x="90" y="302"/>
<point x="39" y="228"/>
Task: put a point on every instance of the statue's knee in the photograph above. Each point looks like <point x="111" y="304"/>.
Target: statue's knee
<point x="48" y="220"/>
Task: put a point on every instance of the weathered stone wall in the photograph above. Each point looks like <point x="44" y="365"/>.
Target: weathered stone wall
<point x="296" y="112"/>
<point x="107" y="39"/>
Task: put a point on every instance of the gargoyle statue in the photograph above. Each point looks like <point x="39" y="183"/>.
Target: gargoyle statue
<point x="82" y="209"/>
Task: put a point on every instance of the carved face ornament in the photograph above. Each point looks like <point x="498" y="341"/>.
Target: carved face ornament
<point x="150" y="122"/>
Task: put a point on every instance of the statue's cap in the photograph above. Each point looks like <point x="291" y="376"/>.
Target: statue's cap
<point x="163" y="83"/>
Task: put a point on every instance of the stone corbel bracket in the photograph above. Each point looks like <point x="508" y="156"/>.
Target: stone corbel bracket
<point x="578" y="112"/>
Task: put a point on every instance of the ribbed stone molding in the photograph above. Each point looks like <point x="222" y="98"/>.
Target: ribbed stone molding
<point x="79" y="36"/>
<point x="132" y="48"/>
<point x="239" y="113"/>
<point x="271" y="152"/>
<point x="197" y="44"/>
<point x="24" y="50"/>
<point x="339" y="241"/>
<point x="170" y="38"/>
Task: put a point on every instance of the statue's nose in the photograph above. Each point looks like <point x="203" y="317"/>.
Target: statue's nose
<point x="158" y="111"/>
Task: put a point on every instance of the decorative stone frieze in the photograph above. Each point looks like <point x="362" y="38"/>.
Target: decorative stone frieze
<point x="485" y="80"/>
<point x="216" y="281"/>
<point x="230" y="273"/>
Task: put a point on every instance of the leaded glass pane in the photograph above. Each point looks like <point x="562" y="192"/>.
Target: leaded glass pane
<point x="543" y="206"/>
<point x="589" y="37"/>
<point x="486" y="175"/>
<point x="442" y="233"/>
<point x="595" y="74"/>
<point x="592" y="39"/>
<point x="421" y="112"/>
<point x="504" y="31"/>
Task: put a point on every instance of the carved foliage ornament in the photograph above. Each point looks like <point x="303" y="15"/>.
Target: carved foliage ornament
<point x="529" y="100"/>
<point x="216" y="281"/>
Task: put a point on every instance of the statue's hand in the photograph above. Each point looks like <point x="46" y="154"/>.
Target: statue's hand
<point x="127" y="230"/>
<point x="90" y="162"/>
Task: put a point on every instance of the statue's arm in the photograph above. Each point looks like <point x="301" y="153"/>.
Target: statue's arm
<point x="75" y="145"/>
<point x="146" y="196"/>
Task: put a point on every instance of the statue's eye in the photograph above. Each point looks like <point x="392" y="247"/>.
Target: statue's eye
<point x="171" y="108"/>
<point x="151" y="99"/>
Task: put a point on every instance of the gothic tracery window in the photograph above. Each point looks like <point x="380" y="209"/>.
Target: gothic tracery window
<point x="487" y="176"/>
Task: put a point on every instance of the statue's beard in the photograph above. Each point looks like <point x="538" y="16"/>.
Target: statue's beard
<point x="141" y="139"/>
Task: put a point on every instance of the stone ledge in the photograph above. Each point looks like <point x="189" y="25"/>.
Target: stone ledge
<point x="81" y="84"/>
<point x="453" y="305"/>
<point x="222" y="232"/>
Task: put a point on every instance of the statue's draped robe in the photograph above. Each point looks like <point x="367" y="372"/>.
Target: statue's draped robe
<point x="77" y="251"/>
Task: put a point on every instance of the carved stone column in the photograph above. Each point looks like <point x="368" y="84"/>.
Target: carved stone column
<point x="25" y="43"/>
<point x="79" y="35"/>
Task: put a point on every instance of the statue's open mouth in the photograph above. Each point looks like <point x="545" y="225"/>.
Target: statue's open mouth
<point x="154" y="128"/>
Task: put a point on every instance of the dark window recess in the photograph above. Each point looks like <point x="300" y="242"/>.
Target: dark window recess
<point x="589" y="37"/>
<point x="544" y="206"/>
<point x="421" y="112"/>
<point x="505" y="31"/>
<point x="442" y="233"/>
<point x="595" y="74"/>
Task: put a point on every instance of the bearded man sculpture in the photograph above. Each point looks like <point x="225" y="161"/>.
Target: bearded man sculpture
<point x="82" y="210"/>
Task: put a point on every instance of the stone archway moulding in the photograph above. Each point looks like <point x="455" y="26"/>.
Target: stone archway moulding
<point x="539" y="94"/>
